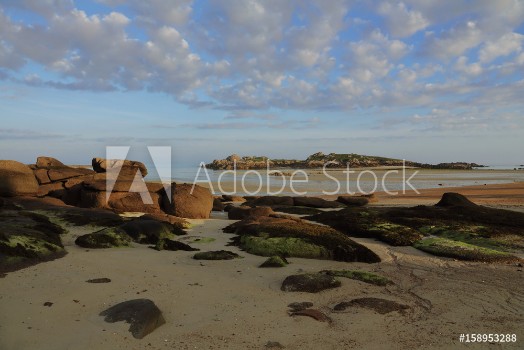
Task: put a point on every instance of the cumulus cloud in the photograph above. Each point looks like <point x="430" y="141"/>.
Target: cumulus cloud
<point x="247" y="57"/>
<point x="503" y="46"/>
<point x="400" y="20"/>
<point x="470" y="69"/>
<point x="454" y="42"/>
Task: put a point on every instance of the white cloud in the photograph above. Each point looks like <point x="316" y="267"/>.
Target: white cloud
<point x="455" y="41"/>
<point x="402" y="22"/>
<point x="503" y="46"/>
<point x="255" y="55"/>
<point x="470" y="69"/>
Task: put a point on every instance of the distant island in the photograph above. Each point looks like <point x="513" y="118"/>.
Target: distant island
<point x="333" y="160"/>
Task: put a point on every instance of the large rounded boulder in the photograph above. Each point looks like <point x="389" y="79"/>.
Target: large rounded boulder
<point x="16" y="179"/>
<point x="188" y="201"/>
<point x="48" y="163"/>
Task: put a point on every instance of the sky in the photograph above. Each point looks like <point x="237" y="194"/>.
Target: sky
<point x="425" y="80"/>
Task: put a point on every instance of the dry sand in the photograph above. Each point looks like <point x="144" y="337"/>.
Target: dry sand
<point x="510" y="196"/>
<point x="236" y="305"/>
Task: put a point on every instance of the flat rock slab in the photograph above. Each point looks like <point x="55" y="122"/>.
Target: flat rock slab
<point x="216" y="255"/>
<point x="315" y="314"/>
<point x="382" y="306"/>
<point x="143" y="315"/>
<point x="309" y="283"/>
<point x="99" y="280"/>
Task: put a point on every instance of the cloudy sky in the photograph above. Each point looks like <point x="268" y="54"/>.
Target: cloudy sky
<point x="426" y="80"/>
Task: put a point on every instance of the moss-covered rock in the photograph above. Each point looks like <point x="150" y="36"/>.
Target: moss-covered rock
<point x="394" y="234"/>
<point x="309" y="283"/>
<point x="362" y="276"/>
<point x="357" y="222"/>
<point x="478" y="235"/>
<point x="169" y="244"/>
<point x="297" y="238"/>
<point x="461" y="251"/>
<point x="275" y="261"/>
<point x="216" y="255"/>
<point x="26" y="239"/>
<point x="92" y="217"/>
<point x="111" y="237"/>
<point x="283" y="246"/>
<point x="150" y="231"/>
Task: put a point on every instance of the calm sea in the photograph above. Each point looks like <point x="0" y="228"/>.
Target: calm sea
<point x="337" y="181"/>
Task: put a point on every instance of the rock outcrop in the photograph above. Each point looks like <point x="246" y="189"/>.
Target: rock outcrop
<point x="60" y="181"/>
<point x="244" y="212"/>
<point x="16" y="179"/>
<point x="188" y="201"/>
<point x="288" y="237"/>
<point x="452" y="199"/>
<point x="127" y="167"/>
<point x="315" y="202"/>
<point x="353" y="201"/>
<point x="218" y="205"/>
<point x="111" y="237"/>
<point x="331" y="160"/>
<point x="27" y="238"/>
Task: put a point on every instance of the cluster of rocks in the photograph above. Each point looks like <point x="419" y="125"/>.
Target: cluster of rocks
<point x="265" y="233"/>
<point x="285" y="203"/>
<point x="110" y="184"/>
<point x="331" y="160"/>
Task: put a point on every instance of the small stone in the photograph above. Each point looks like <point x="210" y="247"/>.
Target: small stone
<point x="310" y="283"/>
<point x="275" y="261"/>
<point x="315" y="314"/>
<point x="143" y="315"/>
<point x="216" y="255"/>
<point x="274" y="345"/>
<point x="99" y="280"/>
<point x="299" y="306"/>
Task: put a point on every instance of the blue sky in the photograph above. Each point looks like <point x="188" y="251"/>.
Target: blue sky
<point x="425" y="80"/>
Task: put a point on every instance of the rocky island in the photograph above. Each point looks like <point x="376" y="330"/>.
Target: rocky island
<point x="331" y="160"/>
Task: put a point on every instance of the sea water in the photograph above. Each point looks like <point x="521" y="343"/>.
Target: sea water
<point x="339" y="181"/>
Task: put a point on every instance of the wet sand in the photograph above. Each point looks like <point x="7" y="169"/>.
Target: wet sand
<point x="506" y="196"/>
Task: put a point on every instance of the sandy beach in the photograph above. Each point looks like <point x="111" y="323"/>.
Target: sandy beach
<point x="236" y="305"/>
<point x="508" y="196"/>
<point x="302" y="175"/>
